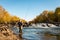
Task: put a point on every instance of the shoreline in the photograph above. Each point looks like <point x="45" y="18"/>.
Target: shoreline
<point x="5" y="31"/>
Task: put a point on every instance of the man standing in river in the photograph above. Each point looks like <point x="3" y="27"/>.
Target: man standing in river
<point x="20" y="30"/>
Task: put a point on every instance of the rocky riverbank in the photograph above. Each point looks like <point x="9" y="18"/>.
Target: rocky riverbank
<point x="7" y="34"/>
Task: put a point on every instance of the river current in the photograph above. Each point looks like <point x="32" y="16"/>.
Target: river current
<point x="37" y="33"/>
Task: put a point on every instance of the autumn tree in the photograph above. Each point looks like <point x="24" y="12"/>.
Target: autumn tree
<point x="5" y="17"/>
<point x="59" y="17"/>
<point x="42" y="17"/>
<point x="14" y="18"/>
<point x="57" y="13"/>
<point x="51" y="16"/>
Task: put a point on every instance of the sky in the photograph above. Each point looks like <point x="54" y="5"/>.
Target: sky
<point x="28" y="9"/>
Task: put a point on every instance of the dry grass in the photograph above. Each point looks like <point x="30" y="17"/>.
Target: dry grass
<point x="7" y="34"/>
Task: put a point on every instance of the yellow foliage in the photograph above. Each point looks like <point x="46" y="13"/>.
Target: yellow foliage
<point x="15" y="18"/>
<point x="5" y="17"/>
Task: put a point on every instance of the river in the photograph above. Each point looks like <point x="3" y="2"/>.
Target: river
<point x="38" y="33"/>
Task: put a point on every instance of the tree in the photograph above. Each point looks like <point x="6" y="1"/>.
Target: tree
<point x="51" y="16"/>
<point x="14" y="18"/>
<point x="57" y="12"/>
<point x="5" y="17"/>
<point x="59" y="17"/>
<point x="42" y="17"/>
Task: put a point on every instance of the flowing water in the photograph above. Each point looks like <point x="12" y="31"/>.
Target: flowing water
<point x="38" y="33"/>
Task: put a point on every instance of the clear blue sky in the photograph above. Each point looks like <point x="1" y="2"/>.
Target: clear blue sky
<point x="28" y="9"/>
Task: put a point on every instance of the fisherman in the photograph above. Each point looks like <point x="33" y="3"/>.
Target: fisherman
<point x="20" y="30"/>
